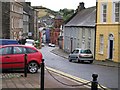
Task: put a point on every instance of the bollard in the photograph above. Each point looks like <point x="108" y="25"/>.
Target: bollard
<point x="25" y="65"/>
<point x="94" y="83"/>
<point x="42" y="75"/>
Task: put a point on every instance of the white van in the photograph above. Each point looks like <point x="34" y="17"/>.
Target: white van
<point x="29" y="42"/>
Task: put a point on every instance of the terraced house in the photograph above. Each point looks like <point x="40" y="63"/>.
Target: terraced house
<point x="108" y="30"/>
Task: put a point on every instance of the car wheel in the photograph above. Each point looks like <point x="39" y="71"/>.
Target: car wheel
<point x="79" y="61"/>
<point x="91" y="61"/>
<point x="70" y="60"/>
<point x="32" y="67"/>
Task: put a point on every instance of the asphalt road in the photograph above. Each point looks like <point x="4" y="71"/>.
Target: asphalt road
<point x="107" y="76"/>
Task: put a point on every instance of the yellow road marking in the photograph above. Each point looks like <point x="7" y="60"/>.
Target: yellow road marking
<point x="73" y="77"/>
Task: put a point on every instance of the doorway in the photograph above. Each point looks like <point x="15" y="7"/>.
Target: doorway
<point x="110" y="48"/>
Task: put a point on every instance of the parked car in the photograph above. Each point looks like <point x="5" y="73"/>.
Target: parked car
<point x="81" y="55"/>
<point x="51" y="45"/>
<point x="42" y="44"/>
<point x="12" y="57"/>
<point x="30" y="42"/>
<point x="8" y="41"/>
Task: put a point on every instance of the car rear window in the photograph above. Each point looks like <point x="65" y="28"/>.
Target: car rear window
<point x="86" y="51"/>
<point x="30" y="50"/>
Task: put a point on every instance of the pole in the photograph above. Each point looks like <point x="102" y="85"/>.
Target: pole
<point x="42" y="75"/>
<point x="25" y="65"/>
<point x="94" y="84"/>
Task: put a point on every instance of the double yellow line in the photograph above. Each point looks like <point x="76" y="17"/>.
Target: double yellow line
<point x="73" y="78"/>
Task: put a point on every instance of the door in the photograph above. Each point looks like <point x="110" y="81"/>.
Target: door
<point x="110" y="49"/>
<point x="6" y="57"/>
<point x="18" y="53"/>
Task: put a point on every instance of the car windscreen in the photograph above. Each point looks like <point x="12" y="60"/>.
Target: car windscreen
<point x="75" y="51"/>
<point x="86" y="51"/>
<point x="29" y="42"/>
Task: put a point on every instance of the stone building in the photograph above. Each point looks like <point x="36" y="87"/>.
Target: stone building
<point x="16" y="20"/>
<point x="12" y="20"/>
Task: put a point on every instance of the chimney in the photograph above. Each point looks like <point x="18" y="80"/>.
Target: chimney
<point x="80" y="7"/>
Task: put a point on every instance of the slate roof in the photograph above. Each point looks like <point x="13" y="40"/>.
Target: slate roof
<point x="85" y="17"/>
<point x="58" y="17"/>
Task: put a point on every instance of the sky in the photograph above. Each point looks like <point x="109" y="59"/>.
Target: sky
<point x="56" y="5"/>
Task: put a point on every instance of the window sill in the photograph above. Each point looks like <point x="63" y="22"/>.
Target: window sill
<point x="101" y="53"/>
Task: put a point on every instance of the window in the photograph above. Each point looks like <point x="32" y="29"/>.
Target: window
<point x="89" y="34"/>
<point x="104" y="12"/>
<point x="101" y="43"/>
<point x="29" y="50"/>
<point x="12" y="22"/>
<point x="83" y="33"/>
<point x="6" y="51"/>
<point x="20" y="23"/>
<point x="12" y="7"/>
<point x="89" y="44"/>
<point x="75" y="51"/>
<point x="86" y="51"/>
<point x="19" y="50"/>
<point x="116" y="11"/>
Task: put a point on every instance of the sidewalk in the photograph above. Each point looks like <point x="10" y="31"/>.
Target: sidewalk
<point x="108" y="63"/>
<point x="32" y="81"/>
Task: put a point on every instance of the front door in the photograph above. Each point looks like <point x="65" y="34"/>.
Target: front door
<point x="110" y="49"/>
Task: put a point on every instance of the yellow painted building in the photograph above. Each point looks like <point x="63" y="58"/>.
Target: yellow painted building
<point x="108" y="30"/>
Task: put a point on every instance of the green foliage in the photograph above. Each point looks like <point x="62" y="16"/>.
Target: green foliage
<point x="66" y="13"/>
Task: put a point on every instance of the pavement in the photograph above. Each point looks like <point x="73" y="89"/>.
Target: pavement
<point x="107" y="63"/>
<point x="52" y="80"/>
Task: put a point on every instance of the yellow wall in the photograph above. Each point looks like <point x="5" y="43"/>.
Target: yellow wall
<point x="107" y="28"/>
<point x="119" y="43"/>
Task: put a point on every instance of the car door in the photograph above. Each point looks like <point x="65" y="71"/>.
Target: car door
<point x="6" y="57"/>
<point x="18" y="53"/>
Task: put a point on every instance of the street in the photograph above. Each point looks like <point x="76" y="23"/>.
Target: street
<point x="107" y="76"/>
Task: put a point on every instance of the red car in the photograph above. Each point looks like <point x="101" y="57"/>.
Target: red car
<point x="12" y="57"/>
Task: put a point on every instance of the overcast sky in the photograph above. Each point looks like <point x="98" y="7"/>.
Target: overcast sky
<point x="56" y="5"/>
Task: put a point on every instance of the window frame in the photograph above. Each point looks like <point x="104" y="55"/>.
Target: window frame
<point x="22" y="50"/>
<point x="101" y="48"/>
<point x="104" y="12"/>
<point x="31" y="49"/>
<point x="114" y="12"/>
<point x="7" y="50"/>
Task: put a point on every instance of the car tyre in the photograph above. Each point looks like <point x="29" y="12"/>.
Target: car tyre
<point x="79" y="61"/>
<point x="70" y="60"/>
<point x="33" y="67"/>
<point x="91" y="62"/>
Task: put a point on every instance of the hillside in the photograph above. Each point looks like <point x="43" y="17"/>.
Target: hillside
<point x="43" y="11"/>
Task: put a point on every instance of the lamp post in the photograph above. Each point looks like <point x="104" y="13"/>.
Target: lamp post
<point x="71" y="40"/>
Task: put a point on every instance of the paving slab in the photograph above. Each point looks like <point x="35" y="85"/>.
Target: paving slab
<point x="32" y="81"/>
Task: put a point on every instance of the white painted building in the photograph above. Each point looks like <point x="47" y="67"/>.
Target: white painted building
<point x="79" y="32"/>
